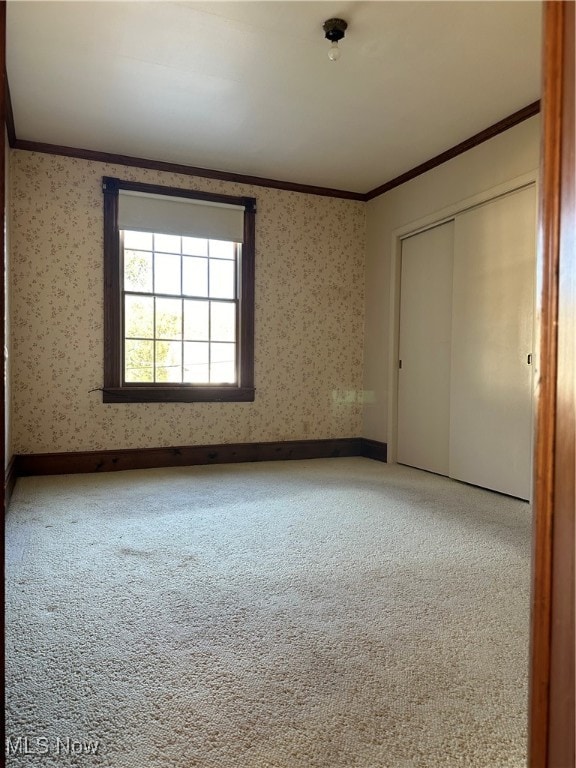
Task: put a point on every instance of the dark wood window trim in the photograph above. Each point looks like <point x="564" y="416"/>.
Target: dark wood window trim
<point x="114" y="391"/>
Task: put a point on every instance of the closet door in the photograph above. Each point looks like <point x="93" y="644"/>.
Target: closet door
<point x="425" y="338"/>
<point x="492" y="330"/>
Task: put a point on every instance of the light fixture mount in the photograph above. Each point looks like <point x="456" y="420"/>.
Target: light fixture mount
<point x="335" y="29"/>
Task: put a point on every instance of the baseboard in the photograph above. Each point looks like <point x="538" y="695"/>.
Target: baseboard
<point x="148" y="458"/>
<point x="189" y="455"/>
<point x="373" y="449"/>
<point x="10" y="480"/>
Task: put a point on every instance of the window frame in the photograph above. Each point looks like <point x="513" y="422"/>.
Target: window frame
<point x="114" y="390"/>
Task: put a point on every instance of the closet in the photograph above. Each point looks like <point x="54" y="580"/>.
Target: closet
<point x="465" y="345"/>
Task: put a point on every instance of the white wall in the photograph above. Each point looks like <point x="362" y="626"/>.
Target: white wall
<point x="505" y="157"/>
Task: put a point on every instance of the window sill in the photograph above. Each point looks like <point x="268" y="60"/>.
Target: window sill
<point x="178" y="394"/>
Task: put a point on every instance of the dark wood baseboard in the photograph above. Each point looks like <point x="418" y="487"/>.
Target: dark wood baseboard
<point x="373" y="449"/>
<point x="182" y="456"/>
<point x="10" y="480"/>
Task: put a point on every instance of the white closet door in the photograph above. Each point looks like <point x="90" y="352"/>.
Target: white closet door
<point x="492" y="330"/>
<point x="425" y="339"/>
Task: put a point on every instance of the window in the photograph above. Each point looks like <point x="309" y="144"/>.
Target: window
<point x="178" y="293"/>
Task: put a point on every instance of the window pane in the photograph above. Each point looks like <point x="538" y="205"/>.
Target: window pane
<point x="168" y="318"/>
<point x="222" y="363"/>
<point x="196" y="320"/>
<point x="138" y="271"/>
<point x="166" y="273"/>
<point x="138" y="240"/>
<point x="195" y="246"/>
<point x="139" y="361"/>
<point x="195" y="277"/>
<point x="222" y="282"/>
<point x="169" y="361"/>
<point x="139" y="317"/>
<point x="196" y="363"/>
<point x="222" y="249"/>
<point x="167" y="243"/>
<point x="222" y="321"/>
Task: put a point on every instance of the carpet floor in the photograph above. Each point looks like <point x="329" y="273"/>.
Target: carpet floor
<point x="332" y="613"/>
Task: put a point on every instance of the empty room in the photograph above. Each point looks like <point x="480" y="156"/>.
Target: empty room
<point x="271" y="330"/>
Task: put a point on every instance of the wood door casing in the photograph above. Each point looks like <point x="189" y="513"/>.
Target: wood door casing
<point x="552" y="684"/>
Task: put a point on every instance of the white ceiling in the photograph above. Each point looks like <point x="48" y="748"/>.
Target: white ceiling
<point x="247" y="87"/>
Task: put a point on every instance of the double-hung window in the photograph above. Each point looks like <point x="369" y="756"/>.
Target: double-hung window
<point x="178" y="294"/>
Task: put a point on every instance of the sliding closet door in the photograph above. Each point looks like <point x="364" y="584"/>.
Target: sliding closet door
<point x="425" y="338"/>
<point x="492" y="329"/>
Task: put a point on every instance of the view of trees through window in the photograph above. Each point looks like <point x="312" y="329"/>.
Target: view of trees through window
<point x="180" y="305"/>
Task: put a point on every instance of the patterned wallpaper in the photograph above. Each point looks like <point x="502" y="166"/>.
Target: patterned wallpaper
<point x="309" y="317"/>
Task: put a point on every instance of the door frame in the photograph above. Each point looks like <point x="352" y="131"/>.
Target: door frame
<point x="422" y="224"/>
<point x="551" y="731"/>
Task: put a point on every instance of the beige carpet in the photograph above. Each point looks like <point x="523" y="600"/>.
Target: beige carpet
<point x="331" y="613"/>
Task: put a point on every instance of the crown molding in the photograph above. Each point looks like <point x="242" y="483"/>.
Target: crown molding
<point x="185" y="170"/>
<point x="458" y="149"/>
<point x="288" y="186"/>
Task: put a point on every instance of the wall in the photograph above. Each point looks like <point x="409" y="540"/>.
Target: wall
<point x="506" y="156"/>
<point x="309" y="318"/>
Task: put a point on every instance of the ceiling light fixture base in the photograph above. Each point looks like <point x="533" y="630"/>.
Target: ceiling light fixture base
<point x="335" y="29"/>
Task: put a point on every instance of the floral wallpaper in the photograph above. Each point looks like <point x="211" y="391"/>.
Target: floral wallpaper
<point x="309" y="317"/>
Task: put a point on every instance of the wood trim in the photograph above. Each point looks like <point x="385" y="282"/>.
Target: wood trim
<point x="160" y="393"/>
<point x="561" y="695"/>
<point x="562" y="715"/>
<point x="9" y="121"/>
<point x="10" y="479"/>
<point x="247" y="292"/>
<point x="112" y="184"/>
<point x="373" y="449"/>
<point x="112" y="325"/>
<point x="4" y="419"/>
<point x="545" y="391"/>
<point x="546" y="311"/>
<point x="188" y="170"/>
<point x="259" y="181"/>
<point x="551" y="702"/>
<point x="225" y="453"/>
<point x="114" y="391"/>
<point x="458" y="149"/>
<point x="185" y="170"/>
<point x="183" y="456"/>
